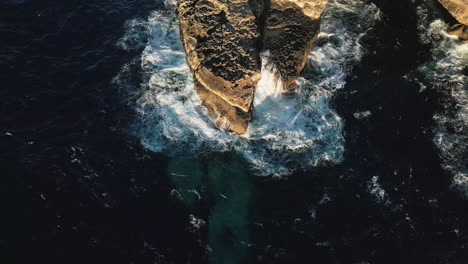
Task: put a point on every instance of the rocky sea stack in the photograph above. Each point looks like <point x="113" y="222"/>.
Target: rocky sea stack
<point x="223" y="40"/>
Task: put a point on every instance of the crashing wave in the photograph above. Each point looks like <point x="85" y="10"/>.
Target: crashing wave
<point x="287" y="132"/>
<point x="446" y="73"/>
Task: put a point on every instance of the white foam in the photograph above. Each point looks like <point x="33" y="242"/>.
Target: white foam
<point x="286" y="133"/>
<point x="376" y="189"/>
<point x="444" y="73"/>
<point x="269" y="87"/>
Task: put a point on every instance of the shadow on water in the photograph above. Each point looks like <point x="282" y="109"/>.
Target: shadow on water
<point x="222" y="185"/>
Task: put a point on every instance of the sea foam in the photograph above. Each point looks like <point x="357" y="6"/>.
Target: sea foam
<point x="287" y="132"/>
<point x="445" y="73"/>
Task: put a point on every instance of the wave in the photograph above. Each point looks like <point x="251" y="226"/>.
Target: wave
<point x="287" y="132"/>
<point x="446" y="74"/>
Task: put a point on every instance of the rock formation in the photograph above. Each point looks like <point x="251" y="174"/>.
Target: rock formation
<point x="290" y="29"/>
<point x="459" y="10"/>
<point x="220" y="39"/>
<point x="223" y="40"/>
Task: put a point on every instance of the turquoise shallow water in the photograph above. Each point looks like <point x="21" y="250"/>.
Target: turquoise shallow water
<point x="225" y="184"/>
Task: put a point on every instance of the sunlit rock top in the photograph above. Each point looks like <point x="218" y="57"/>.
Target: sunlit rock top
<point x="458" y="9"/>
<point x="223" y="40"/>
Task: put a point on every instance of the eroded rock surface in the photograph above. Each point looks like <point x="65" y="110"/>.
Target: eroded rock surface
<point x="291" y="27"/>
<point x="459" y="10"/>
<point x="223" y="40"/>
<point x="220" y="39"/>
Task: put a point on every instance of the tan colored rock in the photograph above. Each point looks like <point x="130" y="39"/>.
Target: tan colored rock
<point x="220" y="39"/>
<point x="227" y="117"/>
<point x="291" y="27"/>
<point x="223" y="39"/>
<point x="458" y="9"/>
<point x="459" y="30"/>
<point x="310" y="8"/>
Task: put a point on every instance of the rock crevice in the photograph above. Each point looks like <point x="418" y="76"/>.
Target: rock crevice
<point x="223" y="40"/>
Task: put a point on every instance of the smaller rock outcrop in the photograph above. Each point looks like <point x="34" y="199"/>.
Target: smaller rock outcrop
<point x="291" y="27"/>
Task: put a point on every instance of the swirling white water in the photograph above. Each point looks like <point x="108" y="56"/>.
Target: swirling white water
<point x="446" y="73"/>
<point x="286" y="133"/>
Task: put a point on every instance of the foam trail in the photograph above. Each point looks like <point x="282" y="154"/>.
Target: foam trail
<point x="446" y="75"/>
<point x="286" y="133"/>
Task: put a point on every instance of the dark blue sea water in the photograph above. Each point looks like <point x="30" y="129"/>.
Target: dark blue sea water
<point x="105" y="157"/>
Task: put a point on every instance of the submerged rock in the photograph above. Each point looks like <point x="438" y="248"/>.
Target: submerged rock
<point x="223" y="40"/>
<point x="460" y="31"/>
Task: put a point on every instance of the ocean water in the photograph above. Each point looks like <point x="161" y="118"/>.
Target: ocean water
<point x="446" y="74"/>
<point x="287" y="133"/>
<point x="106" y="155"/>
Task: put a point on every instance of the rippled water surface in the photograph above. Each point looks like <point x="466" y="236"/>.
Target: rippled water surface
<point x="107" y="156"/>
